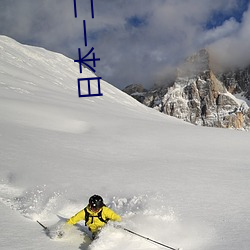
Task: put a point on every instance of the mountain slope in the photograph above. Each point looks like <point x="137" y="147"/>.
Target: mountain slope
<point x="182" y="185"/>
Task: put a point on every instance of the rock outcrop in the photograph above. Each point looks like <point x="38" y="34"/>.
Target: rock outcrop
<point x="201" y="97"/>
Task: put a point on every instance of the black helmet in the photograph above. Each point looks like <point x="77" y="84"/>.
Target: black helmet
<point x="96" y="202"/>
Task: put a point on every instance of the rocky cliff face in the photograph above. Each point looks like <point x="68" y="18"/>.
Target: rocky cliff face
<point x="201" y="97"/>
<point x="237" y="81"/>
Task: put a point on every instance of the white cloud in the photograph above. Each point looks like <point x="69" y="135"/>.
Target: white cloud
<point x="228" y="28"/>
<point x="172" y="30"/>
<point x="233" y="50"/>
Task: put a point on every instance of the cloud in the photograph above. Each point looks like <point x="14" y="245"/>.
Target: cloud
<point x="138" y="41"/>
<point x="233" y="49"/>
<point x="228" y="28"/>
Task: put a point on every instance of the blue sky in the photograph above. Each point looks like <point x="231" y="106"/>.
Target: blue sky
<point x="138" y="41"/>
<point x="136" y="21"/>
<point x="218" y="17"/>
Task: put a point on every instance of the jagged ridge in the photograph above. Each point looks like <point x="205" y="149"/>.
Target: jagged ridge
<point x="200" y="96"/>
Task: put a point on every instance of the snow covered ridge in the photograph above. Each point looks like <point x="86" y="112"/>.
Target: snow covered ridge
<point x="33" y="73"/>
<point x="37" y="69"/>
<point x="198" y="96"/>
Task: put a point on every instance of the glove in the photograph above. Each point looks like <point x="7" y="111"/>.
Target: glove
<point x="62" y="229"/>
<point x="118" y="226"/>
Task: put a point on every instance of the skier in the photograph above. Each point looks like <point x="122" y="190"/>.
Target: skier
<point x="95" y="214"/>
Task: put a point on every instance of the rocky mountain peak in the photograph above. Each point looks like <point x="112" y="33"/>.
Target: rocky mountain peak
<point x="202" y="97"/>
<point x="194" y="65"/>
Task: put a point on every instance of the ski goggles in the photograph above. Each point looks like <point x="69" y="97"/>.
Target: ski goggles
<point x="94" y="208"/>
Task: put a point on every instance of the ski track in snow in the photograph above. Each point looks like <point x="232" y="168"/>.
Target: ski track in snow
<point x="145" y="214"/>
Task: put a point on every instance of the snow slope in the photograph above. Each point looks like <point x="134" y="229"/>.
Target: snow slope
<point x="176" y="183"/>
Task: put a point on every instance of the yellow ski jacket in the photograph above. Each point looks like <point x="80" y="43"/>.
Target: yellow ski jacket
<point x="94" y="223"/>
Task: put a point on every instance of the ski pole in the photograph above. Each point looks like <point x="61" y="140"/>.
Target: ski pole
<point x="45" y="228"/>
<point x="146" y="238"/>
